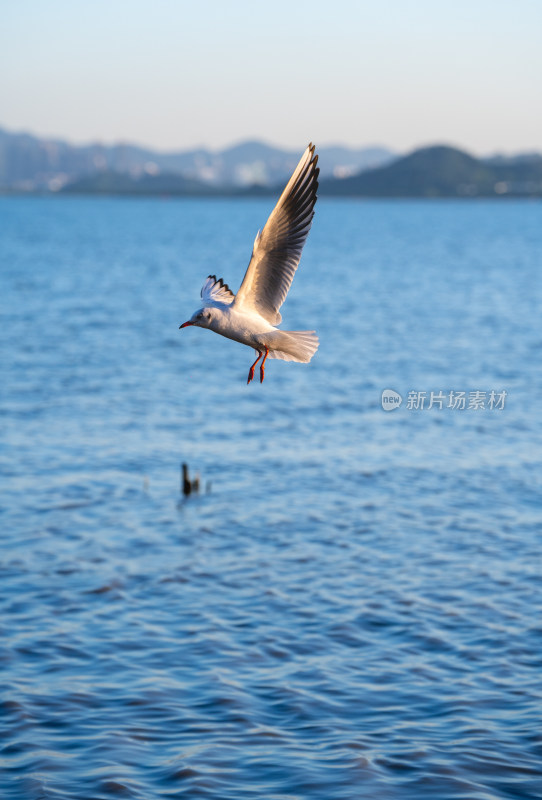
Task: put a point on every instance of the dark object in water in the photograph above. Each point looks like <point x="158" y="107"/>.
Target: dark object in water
<point x="188" y="486"/>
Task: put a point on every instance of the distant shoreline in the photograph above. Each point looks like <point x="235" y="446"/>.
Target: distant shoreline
<point x="265" y="196"/>
<point x="29" y="165"/>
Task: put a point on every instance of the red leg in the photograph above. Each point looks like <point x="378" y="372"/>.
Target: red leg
<point x="251" y="370"/>
<point x="262" y="365"/>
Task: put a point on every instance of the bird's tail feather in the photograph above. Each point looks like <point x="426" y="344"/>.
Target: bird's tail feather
<point x="292" y="345"/>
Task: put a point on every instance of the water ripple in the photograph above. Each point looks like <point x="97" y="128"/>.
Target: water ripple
<point x="353" y="609"/>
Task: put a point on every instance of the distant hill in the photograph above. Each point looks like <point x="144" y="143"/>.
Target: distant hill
<point x="443" y="171"/>
<point x="122" y="183"/>
<point x="30" y="163"/>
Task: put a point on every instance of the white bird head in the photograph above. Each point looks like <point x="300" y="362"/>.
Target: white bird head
<point x="202" y="318"/>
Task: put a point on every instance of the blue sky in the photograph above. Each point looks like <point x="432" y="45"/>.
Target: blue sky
<point x="180" y="74"/>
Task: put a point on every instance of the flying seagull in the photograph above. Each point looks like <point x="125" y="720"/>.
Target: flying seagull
<point x="251" y="316"/>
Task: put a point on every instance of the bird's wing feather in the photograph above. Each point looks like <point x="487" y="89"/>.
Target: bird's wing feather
<point x="216" y="291"/>
<point x="277" y="249"/>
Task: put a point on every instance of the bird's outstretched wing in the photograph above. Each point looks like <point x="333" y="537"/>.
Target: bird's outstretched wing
<point x="277" y="249"/>
<point x="216" y="291"/>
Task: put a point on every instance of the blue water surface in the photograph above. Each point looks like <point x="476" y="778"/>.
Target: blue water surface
<point x="351" y="608"/>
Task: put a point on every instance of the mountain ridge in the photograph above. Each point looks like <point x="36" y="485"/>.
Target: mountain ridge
<point x="438" y="171"/>
<point x="31" y="163"/>
<point x="252" y="168"/>
<point x="443" y="171"/>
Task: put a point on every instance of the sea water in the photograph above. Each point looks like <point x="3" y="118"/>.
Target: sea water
<point x="351" y="606"/>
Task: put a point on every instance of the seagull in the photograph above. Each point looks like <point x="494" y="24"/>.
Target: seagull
<point x="251" y="316"/>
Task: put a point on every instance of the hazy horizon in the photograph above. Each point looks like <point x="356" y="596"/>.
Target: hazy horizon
<point x="134" y="142"/>
<point x="169" y="76"/>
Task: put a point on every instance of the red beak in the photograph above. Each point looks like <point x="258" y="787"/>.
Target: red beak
<point x="185" y="324"/>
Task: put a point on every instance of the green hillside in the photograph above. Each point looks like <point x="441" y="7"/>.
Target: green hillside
<point x="443" y="172"/>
